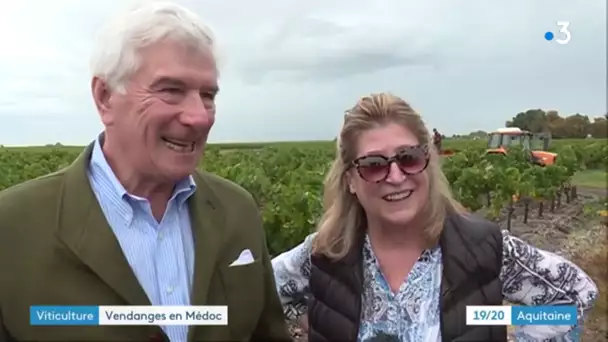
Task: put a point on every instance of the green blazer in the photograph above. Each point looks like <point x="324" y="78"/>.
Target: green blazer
<point x="56" y="248"/>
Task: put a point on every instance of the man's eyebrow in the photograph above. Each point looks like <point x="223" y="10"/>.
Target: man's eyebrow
<point x="164" y="81"/>
<point x="171" y="81"/>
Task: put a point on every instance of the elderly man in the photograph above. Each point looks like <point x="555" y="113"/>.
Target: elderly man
<point x="131" y="221"/>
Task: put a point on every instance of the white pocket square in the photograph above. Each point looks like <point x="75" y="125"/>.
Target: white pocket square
<point x="245" y="258"/>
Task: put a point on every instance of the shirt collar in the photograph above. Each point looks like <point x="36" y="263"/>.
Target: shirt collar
<point x="183" y="189"/>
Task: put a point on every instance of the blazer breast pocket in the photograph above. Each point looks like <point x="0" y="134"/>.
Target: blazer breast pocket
<point x="244" y="288"/>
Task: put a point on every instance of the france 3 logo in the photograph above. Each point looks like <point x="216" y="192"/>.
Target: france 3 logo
<point x="563" y="37"/>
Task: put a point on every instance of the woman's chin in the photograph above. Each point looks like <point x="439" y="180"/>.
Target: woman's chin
<point x="399" y="218"/>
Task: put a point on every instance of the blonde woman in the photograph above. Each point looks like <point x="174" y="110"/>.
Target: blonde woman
<point x="396" y="258"/>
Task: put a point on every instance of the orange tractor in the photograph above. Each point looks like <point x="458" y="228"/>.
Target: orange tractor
<point x="500" y="140"/>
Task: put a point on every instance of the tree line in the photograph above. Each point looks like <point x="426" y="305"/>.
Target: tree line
<point x="575" y="126"/>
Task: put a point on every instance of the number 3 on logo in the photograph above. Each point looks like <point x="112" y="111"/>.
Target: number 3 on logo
<point x="563" y="28"/>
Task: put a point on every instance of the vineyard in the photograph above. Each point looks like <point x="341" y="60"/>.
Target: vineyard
<point x="287" y="179"/>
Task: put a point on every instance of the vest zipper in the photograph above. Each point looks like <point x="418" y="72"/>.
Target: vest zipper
<point x="445" y="289"/>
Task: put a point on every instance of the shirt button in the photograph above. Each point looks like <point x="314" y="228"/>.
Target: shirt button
<point x="170" y="289"/>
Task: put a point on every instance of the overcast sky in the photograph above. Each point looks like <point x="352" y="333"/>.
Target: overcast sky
<point x="290" y="67"/>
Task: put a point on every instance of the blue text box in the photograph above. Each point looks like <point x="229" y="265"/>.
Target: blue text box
<point x="64" y="315"/>
<point x="544" y="315"/>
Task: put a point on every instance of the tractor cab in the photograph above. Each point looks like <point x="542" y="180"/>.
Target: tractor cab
<point x="502" y="139"/>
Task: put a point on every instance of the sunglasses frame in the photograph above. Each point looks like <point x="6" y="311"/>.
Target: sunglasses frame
<point x="393" y="159"/>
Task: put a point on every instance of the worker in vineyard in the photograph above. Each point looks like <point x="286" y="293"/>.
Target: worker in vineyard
<point x="131" y="221"/>
<point x="396" y="258"/>
<point x="437" y="139"/>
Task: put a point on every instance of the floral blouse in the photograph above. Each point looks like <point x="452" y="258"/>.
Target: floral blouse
<point x="530" y="276"/>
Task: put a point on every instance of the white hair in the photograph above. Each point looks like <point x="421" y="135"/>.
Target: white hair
<point x="117" y="55"/>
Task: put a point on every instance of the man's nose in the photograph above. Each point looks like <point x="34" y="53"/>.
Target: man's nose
<point x="196" y="113"/>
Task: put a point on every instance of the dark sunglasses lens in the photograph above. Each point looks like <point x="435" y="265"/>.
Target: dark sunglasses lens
<point x="373" y="169"/>
<point x="412" y="161"/>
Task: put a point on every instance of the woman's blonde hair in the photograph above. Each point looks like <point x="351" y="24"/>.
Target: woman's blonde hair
<point x="343" y="216"/>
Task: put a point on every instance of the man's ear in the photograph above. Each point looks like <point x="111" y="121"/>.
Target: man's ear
<point x="101" y="96"/>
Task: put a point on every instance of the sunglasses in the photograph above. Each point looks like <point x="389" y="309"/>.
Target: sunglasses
<point x="376" y="168"/>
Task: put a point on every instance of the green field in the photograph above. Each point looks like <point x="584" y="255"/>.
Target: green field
<point x="591" y="178"/>
<point x="458" y="144"/>
<point x="222" y="146"/>
<point x="286" y="178"/>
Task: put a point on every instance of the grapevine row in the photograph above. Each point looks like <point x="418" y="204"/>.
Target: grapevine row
<point x="496" y="181"/>
<point x="287" y="181"/>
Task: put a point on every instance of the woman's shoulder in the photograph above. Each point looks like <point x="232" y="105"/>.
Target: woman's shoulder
<point x="473" y="221"/>
<point x="306" y="245"/>
<point x="472" y="226"/>
<point x="299" y="253"/>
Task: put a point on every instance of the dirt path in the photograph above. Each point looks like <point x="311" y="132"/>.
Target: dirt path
<point x="596" y="192"/>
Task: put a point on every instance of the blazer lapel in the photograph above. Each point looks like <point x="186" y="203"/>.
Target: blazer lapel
<point x="84" y="229"/>
<point x="208" y="224"/>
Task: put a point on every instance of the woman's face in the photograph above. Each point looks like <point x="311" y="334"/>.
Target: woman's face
<point x="391" y="193"/>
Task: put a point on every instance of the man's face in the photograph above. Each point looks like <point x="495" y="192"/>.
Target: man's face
<point x="162" y="122"/>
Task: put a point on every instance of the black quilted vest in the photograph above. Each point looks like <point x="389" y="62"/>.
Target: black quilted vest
<point x="472" y="259"/>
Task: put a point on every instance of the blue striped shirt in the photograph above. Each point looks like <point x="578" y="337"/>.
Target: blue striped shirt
<point x="160" y="254"/>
